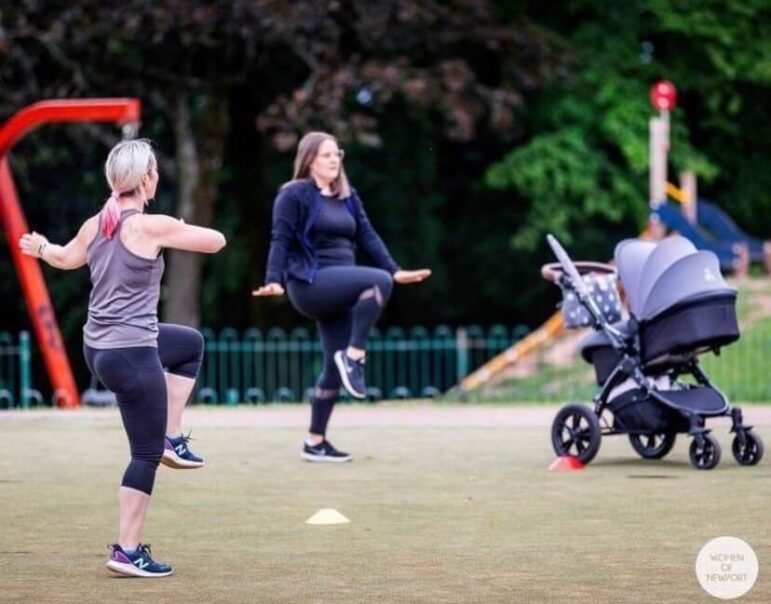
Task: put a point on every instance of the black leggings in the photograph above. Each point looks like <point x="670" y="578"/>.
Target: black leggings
<point x="345" y="301"/>
<point x="136" y="376"/>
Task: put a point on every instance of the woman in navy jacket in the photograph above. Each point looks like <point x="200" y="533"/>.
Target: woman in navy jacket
<point x="318" y="223"/>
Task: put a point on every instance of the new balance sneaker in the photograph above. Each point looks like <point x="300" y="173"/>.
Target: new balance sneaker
<point x="176" y="454"/>
<point x="324" y="451"/>
<point x="352" y="374"/>
<point x="137" y="563"/>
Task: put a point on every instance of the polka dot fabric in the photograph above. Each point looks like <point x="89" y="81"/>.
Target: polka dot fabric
<point x="602" y="288"/>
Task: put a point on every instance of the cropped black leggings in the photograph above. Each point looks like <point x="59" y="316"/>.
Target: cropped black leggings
<point x="136" y="376"/>
<point x="345" y="301"/>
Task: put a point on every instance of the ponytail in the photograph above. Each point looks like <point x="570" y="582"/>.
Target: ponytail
<point x="126" y="164"/>
<point x="110" y="215"/>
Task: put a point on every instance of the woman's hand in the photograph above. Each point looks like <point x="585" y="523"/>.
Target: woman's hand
<point x="407" y="277"/>
<point x="32" y="244"/>
<point x="270" y="289"/>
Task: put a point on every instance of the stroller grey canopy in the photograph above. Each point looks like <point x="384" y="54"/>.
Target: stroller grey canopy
<point x="657" y="277"/>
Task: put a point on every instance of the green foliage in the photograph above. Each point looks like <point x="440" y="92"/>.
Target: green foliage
<point x="722" y="54"/>
<point x="561" y="173"/>
<point x="732" y="38"/>
<point x="588" y="155"/>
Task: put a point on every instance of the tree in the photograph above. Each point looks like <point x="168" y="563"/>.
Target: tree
<point x="458" y="59"/>
<point x="721" y="52"/>
<point x="334" y="65"/>
<point x="585" y="166"/>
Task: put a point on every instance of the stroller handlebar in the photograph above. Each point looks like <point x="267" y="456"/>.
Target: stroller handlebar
<point x="553" y="270"/>
<point x="567" y="264"/>
<point x="568" y="274"/>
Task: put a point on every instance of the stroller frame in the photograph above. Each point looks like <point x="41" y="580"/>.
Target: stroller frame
<point x="589" y="425"/>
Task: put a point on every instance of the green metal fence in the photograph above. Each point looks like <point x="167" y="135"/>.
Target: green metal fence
<point x="254" y="367"/>
<point x="16" y="373"/>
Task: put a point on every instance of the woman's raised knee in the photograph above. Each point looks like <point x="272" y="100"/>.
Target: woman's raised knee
<point x="384" y="284"/>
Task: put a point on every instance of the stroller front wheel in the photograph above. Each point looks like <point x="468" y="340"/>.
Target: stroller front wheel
<point x="576" y="432"/>
<point x="704" y="452"/>
<point x="653" y="446"/>
<point x="747" y="451"/>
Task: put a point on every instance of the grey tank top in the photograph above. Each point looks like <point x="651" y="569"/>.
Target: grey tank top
<point x="123" y="306"/>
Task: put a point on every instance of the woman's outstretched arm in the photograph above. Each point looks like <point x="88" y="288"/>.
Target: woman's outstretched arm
<point x="65" y="257"/>
<point x="171" y="233"/>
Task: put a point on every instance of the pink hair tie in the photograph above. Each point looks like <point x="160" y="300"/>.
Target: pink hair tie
<point x="111" y="214"/>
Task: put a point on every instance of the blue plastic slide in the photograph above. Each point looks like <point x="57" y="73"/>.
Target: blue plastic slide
<point x="671" y="217"/>
<point x="722" y="227"/>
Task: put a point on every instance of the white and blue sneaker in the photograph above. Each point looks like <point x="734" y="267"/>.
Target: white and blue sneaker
<point x="137" y="563"/>
<point x="352" y="374"/>
<point x="177" y="454"/>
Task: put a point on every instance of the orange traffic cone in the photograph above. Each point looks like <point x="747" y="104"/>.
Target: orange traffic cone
<point x="566" y="463"/>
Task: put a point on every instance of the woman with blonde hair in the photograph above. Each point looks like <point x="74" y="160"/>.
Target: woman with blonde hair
<point x="318" y="224"/>
<point x="150" y="367"/>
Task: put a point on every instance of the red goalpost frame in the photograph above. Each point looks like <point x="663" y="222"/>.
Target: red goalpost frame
<point x="122" y="111"/>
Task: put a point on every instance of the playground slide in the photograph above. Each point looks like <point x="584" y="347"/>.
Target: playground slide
<point x="722" y="227"/>
<point x="547" y="333"/>
<point x="728" y="252"/>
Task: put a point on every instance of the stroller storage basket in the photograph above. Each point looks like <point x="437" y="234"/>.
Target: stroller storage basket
<point x="634" y="412"/>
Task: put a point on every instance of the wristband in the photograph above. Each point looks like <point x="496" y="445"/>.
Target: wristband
<point x="40" y="249"/>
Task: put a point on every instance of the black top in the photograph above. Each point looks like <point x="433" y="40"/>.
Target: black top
<point x="333" y="233"/>
<point x="294" y="213"/>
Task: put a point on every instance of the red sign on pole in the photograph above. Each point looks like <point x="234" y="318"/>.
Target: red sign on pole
<point x="664" y="95"/>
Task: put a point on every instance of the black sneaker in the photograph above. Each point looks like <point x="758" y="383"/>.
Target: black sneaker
<point x="136" y="564"/>
<point x="324" y="451"/>
<point x="352" y="374"/>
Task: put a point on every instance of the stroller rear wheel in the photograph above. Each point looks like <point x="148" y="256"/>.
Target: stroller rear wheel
<point x="749" y="450"/>
<point x="576" y="432"/>
<point x="653" y="446"/>
<point x="704" y="455"/>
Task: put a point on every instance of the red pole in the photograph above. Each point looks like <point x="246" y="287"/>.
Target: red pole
<point x="33" y="285"/>
<point x="36" y="294"/>
<point x="122" y="111"/>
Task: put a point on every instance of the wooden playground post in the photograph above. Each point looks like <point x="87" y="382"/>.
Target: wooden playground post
<point x="688" y="187"/>
<point x="663" y="98"/>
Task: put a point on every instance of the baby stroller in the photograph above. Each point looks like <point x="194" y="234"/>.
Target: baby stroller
<point x="647" y="367"/>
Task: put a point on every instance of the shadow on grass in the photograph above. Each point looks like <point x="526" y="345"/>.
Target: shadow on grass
<point x="640" y="463"/>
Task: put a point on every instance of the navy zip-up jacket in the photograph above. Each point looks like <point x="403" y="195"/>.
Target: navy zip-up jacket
<point x="294" y="213"/>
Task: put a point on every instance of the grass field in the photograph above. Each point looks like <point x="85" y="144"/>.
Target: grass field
<point x="447" y="504"/>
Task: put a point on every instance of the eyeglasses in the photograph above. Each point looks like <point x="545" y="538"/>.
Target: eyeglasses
<point x="340" y="154"/>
